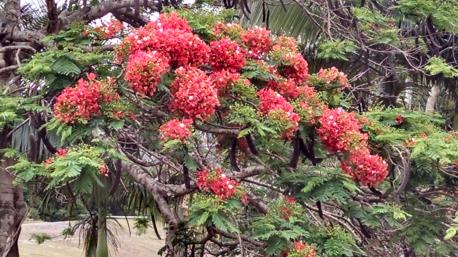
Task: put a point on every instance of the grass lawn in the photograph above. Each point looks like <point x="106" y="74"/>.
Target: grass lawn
<point x="131" y="244"/>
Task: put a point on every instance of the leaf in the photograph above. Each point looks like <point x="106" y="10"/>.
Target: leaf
<point x="64" y="66"/>
<point x="220" y="222"/>
<point x="201" y="219"/>
<point x="451" y="232"/>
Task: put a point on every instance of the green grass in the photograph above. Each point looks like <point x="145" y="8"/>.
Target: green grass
<point x="145" y="245"/>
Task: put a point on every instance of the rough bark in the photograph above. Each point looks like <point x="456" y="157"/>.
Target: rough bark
<point x="455" y="115"/>
<point x="432" y="99"/>
<point x="12" y="211"/>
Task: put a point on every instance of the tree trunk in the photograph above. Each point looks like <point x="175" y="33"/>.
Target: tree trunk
<point x="12" y="212"/>
<point x="432" y="99"/>
<point x="455" y="115"/>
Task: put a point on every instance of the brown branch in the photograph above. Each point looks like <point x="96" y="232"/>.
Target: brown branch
<point x="94" y="12"/>
<point x="157" y="190"/>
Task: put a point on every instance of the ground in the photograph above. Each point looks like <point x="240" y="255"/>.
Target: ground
<point x="145" y="245"/>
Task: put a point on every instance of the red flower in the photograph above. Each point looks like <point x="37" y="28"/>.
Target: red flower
<point x="109" y="30"/>
<point x="285" y="44"/>
<point x="61" y="152"/>
<point x="290" y="199"/>
<point x="144" y="71"/>
<point x="277" y="107"/>
<point x="194" y="95"/>
<point x="399" y="119"/>
<point x="181" y="47"/>
<point x="217" y="183"/>
<point x="365" y="168"/>
<point x="176" y="130"/>
<point x="168" y="21"/>
<point x="171" y="36"/>
<point x="285" y="212"/>
<point x="299" y="246"/>
<point x="223" y="79"/>
<point x="287" y="88"/>
<point x="226" y="54"/>
<point x="79" y="103"/>
<point x="270" y="100"/>
<point x="303" y="249"/>
<point x="295" y="67"/>
<point x="258" y="41"/>
<point x="340" y="131"/>
<point x="333" y="75"/>
<point x="104" y="170"/>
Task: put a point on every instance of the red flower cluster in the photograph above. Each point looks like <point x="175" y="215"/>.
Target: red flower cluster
<point x="270" y="100"/>
<point x="170" y="21"/>
<point x="295" y="67"/>
<point x="276" y="106"/>
<point x="287" y="88"/>
<point x="287" y="207"/>
<point x="172" y="37"/>
<point x="226" y="54"/>
<point x="222" y="79"/>
<point x="217" y="183"/>
<point x="193" y="94"/>
<point x="368" y="169"/>
<point x="310" y="107"/>
<point x="399" y="119"/>
<point x="61" y="152"/>
<point x="258" y="41"/>
<point x="340" y="131"/>
<point x="104" y="170"/>
<point x="284" y="43"/>
<point x="302" y="249"/>
<point x="109" y="30"/>
<point x="79" y="103"/>
<point x="144" y="71"/>
<point x="176" y="130"/>
<point x="333" y="75"/>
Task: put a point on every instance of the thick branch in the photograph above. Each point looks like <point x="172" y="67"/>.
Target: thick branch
<point x="94" y="12"/>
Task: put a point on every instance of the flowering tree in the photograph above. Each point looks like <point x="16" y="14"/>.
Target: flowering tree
<point x="241" y="149"/>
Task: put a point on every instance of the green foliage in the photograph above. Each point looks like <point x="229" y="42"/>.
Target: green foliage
<point x="283" y="224"/>
<point x="40" y="238"/>
<point x="452" y="230"/>
<point x="246" y="115"/>
<point x="339" y="243"/>
<point x="336" y="49"/>
<point x="79" y="166"/>
<point x="60" y="67"/>
<point x="444" y="13"/>
<point x="383" y="127"/>
<point x="368" y="16"/>
<point x="24" y="169"/>
<point x="439" y="147"/>
<point x="321" y="184"/>
<point x="141" y="225"/>
<point x="202" y="21"/>
<point x="378" y="27"/>
<point x="437" y="65"/>
<point x="423" y="231"/>
<point x="12" y="109"/>
<point x="206" y="210"/>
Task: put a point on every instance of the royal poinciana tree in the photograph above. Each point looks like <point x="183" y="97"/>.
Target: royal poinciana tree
<point x="240" y="149"/>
